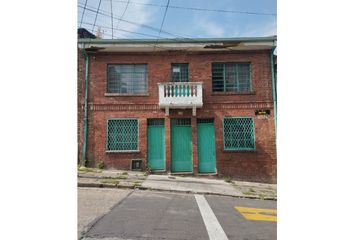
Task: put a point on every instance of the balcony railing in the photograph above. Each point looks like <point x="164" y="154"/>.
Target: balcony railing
<point x="181" y="95"/>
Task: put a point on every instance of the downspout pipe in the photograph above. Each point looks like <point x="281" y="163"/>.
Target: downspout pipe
<point x="84" y="145"/>
<point x="274" y="91"/>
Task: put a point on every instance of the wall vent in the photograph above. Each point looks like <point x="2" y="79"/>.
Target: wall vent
<point x="136" y="164"/>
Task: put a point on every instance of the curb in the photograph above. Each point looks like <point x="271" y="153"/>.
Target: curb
<point x="103" y="185"/>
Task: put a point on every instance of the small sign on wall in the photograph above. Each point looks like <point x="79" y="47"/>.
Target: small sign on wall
<point x="262" y="113"/>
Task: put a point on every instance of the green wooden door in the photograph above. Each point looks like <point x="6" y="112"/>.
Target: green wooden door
<point x="206" y="146"/>
<point x="156" y="144"/>
<point x="181" y="145"/>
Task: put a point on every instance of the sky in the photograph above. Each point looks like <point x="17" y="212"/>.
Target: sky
<point x="143" y="18"/>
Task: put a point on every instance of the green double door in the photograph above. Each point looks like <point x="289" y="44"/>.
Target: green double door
<point x="156" y="144"/>
<point x="181" y="145"/>
<point x="206" y="146"/>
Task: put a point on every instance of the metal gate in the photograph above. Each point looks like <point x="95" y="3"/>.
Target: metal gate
<point x="206" y="146"/>
<point x="156" y="144"/>
<point x="181" y="145"/>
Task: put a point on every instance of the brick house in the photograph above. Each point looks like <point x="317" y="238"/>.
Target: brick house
<point x="191" y="106"/>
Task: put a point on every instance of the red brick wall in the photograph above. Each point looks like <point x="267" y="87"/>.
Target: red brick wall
<point x="258" y="165"/>
<point x="80" y="101"/>
<point x="159" y="70"/>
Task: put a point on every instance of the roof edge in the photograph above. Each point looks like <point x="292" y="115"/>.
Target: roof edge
<point x="176" y="40"/>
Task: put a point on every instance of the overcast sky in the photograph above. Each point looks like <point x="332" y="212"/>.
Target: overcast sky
<point x="260" y="19"/>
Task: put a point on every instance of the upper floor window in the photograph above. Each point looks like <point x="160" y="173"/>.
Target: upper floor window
<point x="127" y="78"/>
<point x="231" y="77"/>
<point x="180" y="72"/>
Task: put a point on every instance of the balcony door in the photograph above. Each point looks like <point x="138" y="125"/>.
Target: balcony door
<point x="180" y="72"/>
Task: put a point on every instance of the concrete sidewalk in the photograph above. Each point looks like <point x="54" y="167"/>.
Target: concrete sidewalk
<point x="215" y="186"/>
<point x="199" y="185"/>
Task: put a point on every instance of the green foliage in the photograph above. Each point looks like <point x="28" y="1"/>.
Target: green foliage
<point x="147" y="171"/>
<point x="122" y="177"/>
<point x="86" y="169"/>
<point x="227" y="178"/>
<point x="100" y="165"/>
<point x="112" y="181"/>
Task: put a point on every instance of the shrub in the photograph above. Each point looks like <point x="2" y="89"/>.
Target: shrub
<point x="100" y="165"/>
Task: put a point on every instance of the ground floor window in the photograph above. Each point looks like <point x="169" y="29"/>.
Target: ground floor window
<point x="238" y="133"/>
<point x="122" y="135"/>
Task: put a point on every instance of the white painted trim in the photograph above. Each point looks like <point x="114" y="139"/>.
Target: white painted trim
<point x="212" y="224"/>
<point x="167" y="96"/>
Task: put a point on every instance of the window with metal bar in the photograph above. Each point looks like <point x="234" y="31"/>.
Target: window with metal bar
<point x="127" y="78"/>
<point x="180" y="72"/>
<point x="181" y="121"/>
<point x="239" y="133"/>
<point x="231" y="77"/>
<point x="156" y="122"/>
<point x="205" y="120"/>
<point x="122" y="135"/>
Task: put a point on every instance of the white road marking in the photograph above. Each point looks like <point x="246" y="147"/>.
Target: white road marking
<point x="212" y="224"/>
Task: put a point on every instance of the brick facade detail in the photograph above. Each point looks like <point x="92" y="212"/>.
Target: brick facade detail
<point x="257" y="165"/>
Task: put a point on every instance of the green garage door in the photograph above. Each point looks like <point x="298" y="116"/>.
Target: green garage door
<point x="156" y="144"/>
<point x="181" y="145"/>
<point x="206" y="146"/>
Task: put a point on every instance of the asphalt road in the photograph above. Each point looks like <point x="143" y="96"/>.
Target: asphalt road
<point x="158" y="215"/>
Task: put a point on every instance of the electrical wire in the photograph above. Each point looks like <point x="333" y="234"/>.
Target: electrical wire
<point x="112" y="18"/>
<point x="164" y="16"/>
<point x="201" y="9"/>
<point x="127" y="31"/>
<point x="99" y="4"/>
<point x="134" y="23"/>
<point x="102" y="12"/>
<point x="83" y="13"/>
<point x="163" y="20"/>
<point x="121" y="17"/>
<point x="116" y="37"/>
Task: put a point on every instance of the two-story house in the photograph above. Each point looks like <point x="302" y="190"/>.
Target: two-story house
<point x="191" y="106"/>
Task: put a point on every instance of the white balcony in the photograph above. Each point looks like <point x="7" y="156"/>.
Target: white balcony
<point x="181" y="95"/>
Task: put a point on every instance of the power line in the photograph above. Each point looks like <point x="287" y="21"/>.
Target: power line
<point x="201" y="9"/>
<point x="127" y="31"/>
<point x="93" y="9"/>
<point x="112" y="18"/>
<point x="164" y="16"/>
<point x="101" y="12"/>
<point x="121" y="17"/>
<point x="105" y="27"/>
<point x="99" y="4"/>
<point x="83" y="13"/>
<point x="162" y="22"/>
<point x="134" y="23"/>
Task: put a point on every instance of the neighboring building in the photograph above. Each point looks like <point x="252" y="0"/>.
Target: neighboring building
<point x="83" y="33"/>
<point x="201" y="106"/>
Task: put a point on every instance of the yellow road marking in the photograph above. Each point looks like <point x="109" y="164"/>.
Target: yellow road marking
<point x="258" y="214"/>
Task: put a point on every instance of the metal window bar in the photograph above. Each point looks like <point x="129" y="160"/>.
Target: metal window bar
<point x="231" y="77"/>
<point x="181" y="121"/>
<point x="122" y="134"/>
<point x="127" y="78"/>
<point x="205" y="120"/>
<point x="180" y="72"/>
<point x="239" y="134"/>
<point x="156" y="122"/>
